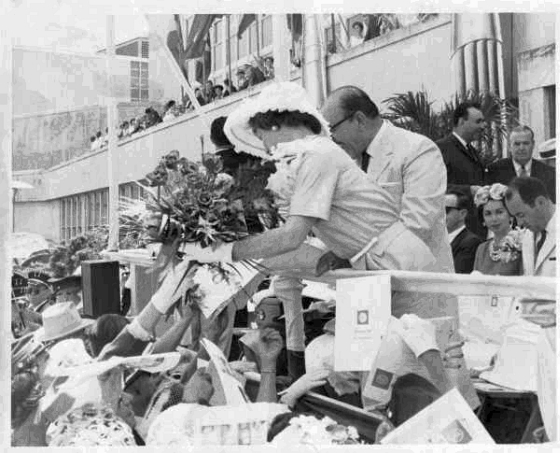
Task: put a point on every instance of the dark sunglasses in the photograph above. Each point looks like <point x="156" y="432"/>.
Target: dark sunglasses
<point x="335" y="125"/>
<point x="449" y="208"/>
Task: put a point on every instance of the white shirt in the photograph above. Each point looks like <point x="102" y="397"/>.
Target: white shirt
<point x="517" y="167"/>
<point x="455" y="233"/>
<point x="547" y="229"/>
<point x="458" y="137"/>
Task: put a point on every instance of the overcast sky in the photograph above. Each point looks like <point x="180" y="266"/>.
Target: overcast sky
<point x="67" y="28"/>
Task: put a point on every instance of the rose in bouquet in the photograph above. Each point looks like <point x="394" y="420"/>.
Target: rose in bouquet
<point x="510" y="247"/>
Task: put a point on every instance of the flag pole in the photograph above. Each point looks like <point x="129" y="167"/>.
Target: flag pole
<point x="112" y="142"/>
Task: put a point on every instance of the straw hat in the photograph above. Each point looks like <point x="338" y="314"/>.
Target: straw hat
<point x="279" y="97"/>
<point x="59" y="321"/>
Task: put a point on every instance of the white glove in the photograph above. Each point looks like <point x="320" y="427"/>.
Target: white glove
<point x="169" y="291"/>
<point x="308" y="381"/>
<point x="419" y="334"/>
<point x="222" y="253"/>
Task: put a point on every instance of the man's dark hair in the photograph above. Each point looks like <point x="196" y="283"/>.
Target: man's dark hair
<point x="268" y="120"/>
<point x="464" y="200"/>
<point x="462" y="111"/>
<point x="104" y="331"/>
<point x="521" y="130"/>
<point x="529" y="189"/>
<point x="353" y="99"/>
<point x="170" y="104"/>
<point x="217" y="134"/>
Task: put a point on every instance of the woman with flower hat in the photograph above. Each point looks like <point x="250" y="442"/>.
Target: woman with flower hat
<point x="500" y="255"/>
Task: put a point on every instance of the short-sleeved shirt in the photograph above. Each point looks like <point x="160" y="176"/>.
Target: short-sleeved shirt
<point x="350" y="207"/>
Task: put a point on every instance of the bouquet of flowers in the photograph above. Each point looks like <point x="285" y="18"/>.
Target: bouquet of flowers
<point x="510" y="247"/>
<point x="309" y="430"/>
<point x="197" y="203"/>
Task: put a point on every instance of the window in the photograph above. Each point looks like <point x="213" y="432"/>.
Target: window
<point x="145" y="52"/>
<point x="266" y="30"/>
<point x="139" y="79"/>
<point x="217" y="45"/>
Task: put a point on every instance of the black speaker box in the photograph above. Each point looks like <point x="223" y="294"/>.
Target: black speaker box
<point x="100" y="288"/>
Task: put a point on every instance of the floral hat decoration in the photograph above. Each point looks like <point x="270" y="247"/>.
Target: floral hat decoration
<point x="279" y="97"/>
<point x="496" y="192"/>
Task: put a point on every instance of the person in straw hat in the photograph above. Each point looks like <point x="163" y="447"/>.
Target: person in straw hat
<point x="319" y="190"/>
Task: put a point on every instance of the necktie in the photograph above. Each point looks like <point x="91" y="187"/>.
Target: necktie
<point x="540" y="243"/>
<point x="472" y="151"/>
<point x="365" y="162"/>
<point x="523" y="172"/>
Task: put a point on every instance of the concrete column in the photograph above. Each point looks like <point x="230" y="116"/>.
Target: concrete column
<point x="281" y="47"/>
<point x="313" y="65"/>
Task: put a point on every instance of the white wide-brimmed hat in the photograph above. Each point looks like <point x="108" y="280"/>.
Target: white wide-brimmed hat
<point x="279" y="97"/>
<point x="60" y="320"/>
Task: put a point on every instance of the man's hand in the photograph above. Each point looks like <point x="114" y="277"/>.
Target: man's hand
<point x="329" y="262"/>
<point x="268" y="347"/>
<point x="452" y="355"/>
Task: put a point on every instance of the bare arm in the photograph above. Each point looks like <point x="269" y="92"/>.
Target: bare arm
<point x="281" y="240"/>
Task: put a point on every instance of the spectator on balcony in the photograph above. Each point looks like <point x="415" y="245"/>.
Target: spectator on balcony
<point x="152" y="117"/>
<point x="229" y="88"/>
<point x="133" y="127"/>
<point x="93" y="143"/>
<point x="218" y="91"/>
<point x="200" y="96"/>
<point x="170" y="111"/>
<point x="242" y="78"/>
<point x="105" y="141"/>
<point x="209" y="91"/>
<point x="358" y="34"/>
<point x="269" y="68"/>
<point x="124" y="129"/>
<point x="254" y="75"/>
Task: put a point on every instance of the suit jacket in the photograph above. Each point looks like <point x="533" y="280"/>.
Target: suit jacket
<point x="545" y="264"/>
<point x="409" y="166"/>
<point x="503" y="171"/>
<point x="463" y="170"/>
<point x="464" y="251"/>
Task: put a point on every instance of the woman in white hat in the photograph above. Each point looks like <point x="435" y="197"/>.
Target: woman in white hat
<point x="319" y="189"/>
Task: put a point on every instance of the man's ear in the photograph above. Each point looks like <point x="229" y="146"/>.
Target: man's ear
<point x="540" y="201"/>
<point x="464" y="213"/>
<point x="361" y="118"/>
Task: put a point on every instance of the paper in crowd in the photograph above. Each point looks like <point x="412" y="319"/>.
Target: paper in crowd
<point x="448" y="420"/>
<point x="227" y="389"/>
<point x="362" y="317"/>
<point x="155" y="363"/>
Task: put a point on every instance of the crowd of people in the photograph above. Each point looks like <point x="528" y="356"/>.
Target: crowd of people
<point x="356" y="192"/>
<point x="247" y="75"/>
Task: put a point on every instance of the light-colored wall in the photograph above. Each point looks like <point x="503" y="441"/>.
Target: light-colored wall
<point x="533" y="30"/>
<point x="399" y="62"/>
<point x="38" y="217"/>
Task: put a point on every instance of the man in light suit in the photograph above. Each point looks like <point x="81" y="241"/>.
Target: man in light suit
<point x="521" y="162"/>
<point x="528" y="200"/>
<point x="411" y="168"/>
<point x="408" y="165"/>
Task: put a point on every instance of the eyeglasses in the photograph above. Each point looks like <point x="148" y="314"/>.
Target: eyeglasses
<point x="335" y="125"/>
<point x="449" y="208"/>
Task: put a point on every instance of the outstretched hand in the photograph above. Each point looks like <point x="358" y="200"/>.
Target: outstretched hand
<point x="269" y="346"/>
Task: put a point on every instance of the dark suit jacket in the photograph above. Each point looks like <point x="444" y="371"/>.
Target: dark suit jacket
<point x="463" y="170"/>
<point x="464" y="251"/>
<point x="503" y="171"/>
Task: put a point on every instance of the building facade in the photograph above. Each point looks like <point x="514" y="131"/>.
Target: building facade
<point x="398" y="53"/>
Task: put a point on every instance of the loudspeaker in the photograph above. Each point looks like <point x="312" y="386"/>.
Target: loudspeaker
<point x="100" y="288"/>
